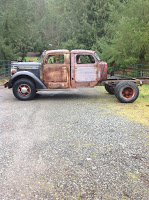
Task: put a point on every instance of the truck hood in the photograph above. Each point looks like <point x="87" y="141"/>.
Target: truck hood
<point x="25" y="65"/>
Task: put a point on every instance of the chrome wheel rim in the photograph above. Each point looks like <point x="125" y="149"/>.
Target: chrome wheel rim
<point x="24" y="90"/>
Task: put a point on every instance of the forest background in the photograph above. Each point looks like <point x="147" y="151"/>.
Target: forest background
<point x="118" y="30"/>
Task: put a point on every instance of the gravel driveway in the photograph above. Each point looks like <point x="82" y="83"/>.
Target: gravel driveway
<point x="70" y="145"/>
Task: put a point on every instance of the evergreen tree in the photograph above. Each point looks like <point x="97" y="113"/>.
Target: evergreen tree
<point x="117" y="29"/>
<point x="126" y="40"/>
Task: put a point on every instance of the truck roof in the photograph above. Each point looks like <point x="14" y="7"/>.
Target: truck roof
<point x="57" y="51"/>
<point x="82" y="51"/>
<point x="76" y="51"/>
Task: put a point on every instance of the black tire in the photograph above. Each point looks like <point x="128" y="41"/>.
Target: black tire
<point x="24" y="89"/>
<point x="126" y="91"/>
<point x="109" y="89"/>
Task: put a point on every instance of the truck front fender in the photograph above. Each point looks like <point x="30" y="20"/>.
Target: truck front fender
<point x="25" y="74"/>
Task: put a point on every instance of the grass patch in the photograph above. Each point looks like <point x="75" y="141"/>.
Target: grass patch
<point x="144" y="94"/>
<point x="137" y="111"/>
<point x="3" y="81"/>
<point x="35" y="59"/>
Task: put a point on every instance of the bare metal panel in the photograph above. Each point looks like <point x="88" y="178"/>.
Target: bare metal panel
<point x="85" y="73"/>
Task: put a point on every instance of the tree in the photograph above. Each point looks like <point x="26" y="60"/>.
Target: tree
<point x="126" y="40"/>
<point x="117" y="29"/>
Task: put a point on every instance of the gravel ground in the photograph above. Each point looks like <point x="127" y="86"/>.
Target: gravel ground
<point x="70" y="145"/>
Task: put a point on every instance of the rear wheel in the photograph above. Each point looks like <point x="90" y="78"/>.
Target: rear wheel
<point x="24" y="89"/>
<point x="126" y="91"/>
<point x="109" y="89"/>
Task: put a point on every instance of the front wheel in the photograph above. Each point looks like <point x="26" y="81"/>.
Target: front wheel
<point x="126" y="91"/>
<point x="24" y="89"/>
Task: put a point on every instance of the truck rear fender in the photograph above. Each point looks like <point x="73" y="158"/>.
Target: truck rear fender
<point x="29" y="75"/>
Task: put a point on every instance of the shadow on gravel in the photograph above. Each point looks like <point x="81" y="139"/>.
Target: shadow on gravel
<point x="64" y="96"/>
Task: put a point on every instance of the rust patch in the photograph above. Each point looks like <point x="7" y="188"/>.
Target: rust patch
<point x="57" y="70"/>
<point x="41" y="73"/>
<point x="55" y="73"/>
<point x="83" y="84"/>
<point x="52" y="85"/>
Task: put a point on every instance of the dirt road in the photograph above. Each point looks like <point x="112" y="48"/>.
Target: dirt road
<point x="70" y="145"/>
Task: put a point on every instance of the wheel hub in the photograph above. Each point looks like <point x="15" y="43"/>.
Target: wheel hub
<point x="128" y="92"/>
<point x="24" y="90"/>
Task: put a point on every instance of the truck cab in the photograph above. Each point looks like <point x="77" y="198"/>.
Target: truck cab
<point x="57" y="69"/>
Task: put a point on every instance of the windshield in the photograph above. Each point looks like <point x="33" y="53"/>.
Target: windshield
<point x="97" y="57"/>
<point x="41" y="57"/>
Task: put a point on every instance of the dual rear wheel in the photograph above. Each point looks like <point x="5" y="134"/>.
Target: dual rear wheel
<point x="125" y="91"/>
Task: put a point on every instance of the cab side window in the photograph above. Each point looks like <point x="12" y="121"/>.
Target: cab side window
<point x="85" y="59"/>
<point x="55" y="59"/>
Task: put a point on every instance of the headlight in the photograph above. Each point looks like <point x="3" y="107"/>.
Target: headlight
<point x="13" y="70"/>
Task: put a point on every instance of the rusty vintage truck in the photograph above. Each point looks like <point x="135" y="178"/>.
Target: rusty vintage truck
<point x="64" y="69"/>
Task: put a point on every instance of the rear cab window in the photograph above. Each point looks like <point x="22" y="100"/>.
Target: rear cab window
<point x="85" y="59"/>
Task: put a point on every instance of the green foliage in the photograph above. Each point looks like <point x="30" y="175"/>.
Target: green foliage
<point x="126" y="40"/>
<point x="116" y="29"/>
<point x="27" y="59"/>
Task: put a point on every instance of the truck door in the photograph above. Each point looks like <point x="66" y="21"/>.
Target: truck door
<point x="85" y="70"/>
<point x="56" y="71"/>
